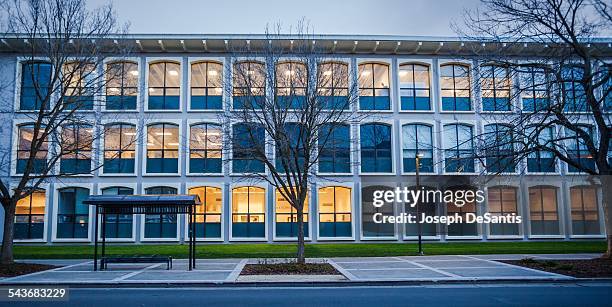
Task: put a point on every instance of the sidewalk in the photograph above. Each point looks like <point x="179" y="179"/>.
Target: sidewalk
<point x="355" y="269"/>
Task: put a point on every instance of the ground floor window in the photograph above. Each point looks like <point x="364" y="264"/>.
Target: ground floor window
<point x="118" y="225"/>
<point x="429" y="208"/>
<point x="543" y="211"/>
<point x="160" y="226"/>
<point x="368" y="212"/>
<point x="585" y="213"/>
<point x="502" y="201"/>
<point x="72" y="214"/>
<point x="461" y="229"/>
<point x="286" y="217"/>
<point x="335" y="212"/>
<point x="30" y="217"/>
<point x="248" y="212"/>
<point x="208" y="213"/>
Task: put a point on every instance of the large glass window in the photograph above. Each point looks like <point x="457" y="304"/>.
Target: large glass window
<point x="249" y="85"/>
<point x="332" y="85"/>
<point x="502" y="201"/>
<point x="585" y="211"/>
<point x="368" y="210"/>
<point x="335" y="212"/>
<point x="248" y="212"/>
<point x="535" y="91"/>
<point x="73" y="214"/>
<point x="79" y="81"/>
<point x="292" y="150"/>
<point x="543" y="211"/>
<point x="162" y="148"/>
<point x="541" y="161"/>
<point x="374" y="87"/>
<point x="35" y="85"/>
<point x="376" y="148"/>
<point x="24" y="145"/>
<point x="247" y="144"/>
<point x="119" y="148"/>
<point x="206" y="88"/>
<point x="455" y="86"/>
<point x="334" y="148"/>
<point x="459" y="150"/>
<point x="208" y="213"/>
<point x="417" y="139"/>
<point x="160" y="226"/>
<point x="455" y="208"/>
<point x="495" y="88"/>
<point x="164" y="86"/>
<point x="76" y="146"/>
<point x="205" y="148"/>
<point x="286" y="217"/>
<point x="30" y="216"/>
<point x="574" y="96"/>
<point x="414" y="87"/>
<point x="121" y="86"/>
<point x="577" y="149"/>
<point x="500" y="148"/>
<point x="118" y="225"/>
<point x="428" y="208"/>
<point x="291" y="82"/>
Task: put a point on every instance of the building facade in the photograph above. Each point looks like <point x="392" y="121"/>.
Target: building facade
<point x="167" y="106"/>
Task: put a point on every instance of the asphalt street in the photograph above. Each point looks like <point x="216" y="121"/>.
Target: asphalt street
<point x="573" y="294"/>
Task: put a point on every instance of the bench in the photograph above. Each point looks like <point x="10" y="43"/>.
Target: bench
<point x="137" y="259"/>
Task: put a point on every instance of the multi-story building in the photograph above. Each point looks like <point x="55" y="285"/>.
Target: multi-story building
<point x="174" y="86"/>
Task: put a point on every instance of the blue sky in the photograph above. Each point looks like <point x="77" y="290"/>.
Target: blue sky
<point x="386" y="17"/>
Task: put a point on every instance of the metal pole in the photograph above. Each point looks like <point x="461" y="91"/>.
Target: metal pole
<point x="418" y="186"/>
<point x="96" y="240"/>
<point x="190" y="238"/>
<point x="103" y="234"/>
<point x="194" y="236"/>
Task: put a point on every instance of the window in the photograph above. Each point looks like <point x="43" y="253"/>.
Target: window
<point x="160" y="226"/>
<point x="334" y="148"/>
<point x="118" y="225"/>
<point x="495" y="88"/>
<point x="79" y="82"/>
<point x="607" y="91"/>
<point x="374" y="87"/>
<point x="502" y="201"/>
<point x="459" y="151"/>
<point x="499" y="148"/>
<point x="35" y="85"/>
<point x="541" y="161"/>
<point x="208" y="213"/>
<point x="375" y="148"/>
<point x="535" y="89"/>
<point x="428" y="208"/>
<point x="121" y="86"/>
<point x="417" y="139"/>
<point x="464" y="228"/>
<point x="76" y="143"/>
<point x="414" y="87"/>
<point x="291" y="83"/>
<point x="286" y="217"/>
<point x="248" y="212"/>
<point x="206" y="86"/>
<point x="574" y="96"/>
<point x="30" y="217"/>
<point x="585" y="212"/>
<point x="455" y="87"/>
<point x="332" y="86"/>
<point x="73" y="214"/>
<point x="577" y="149"/>
<point x="368" y="210"/>
<point x="164" y="86"/>
<point x="335" y="212"/>
<point x="24" y="144"/>
<point x="205" y="149"/>
<point x="543" y="211"/>
<point x="290" y="149"/>
<point x="119" y="148"/>
<point x="162" y="148"/>
<point x="247" y="144"/>
<point x="249" y="85"/>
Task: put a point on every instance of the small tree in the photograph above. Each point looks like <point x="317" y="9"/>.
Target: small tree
<point x="567" y="87"/>
<point x="289" y="102"/>
<point x="63" y="76"/>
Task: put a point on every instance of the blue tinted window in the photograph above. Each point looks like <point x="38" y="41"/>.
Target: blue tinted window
<point x="535" y="89"/>
<point x="38" y="163"/>
<point x="30" y="216"/>
<point x="414" y="87"/>
<point x="290" y="149"/>
<point x="417" y="139"/>
<point x="375" y="148"/>
<point x="578" y="151"/>
<point x="76" y="143"/>
<point x="118" y="225"/>
<point x="459" y="151"/>
<point x="495" y="88"/>
<point x="541" y="161"/>
<point x="119" y="148"/>
<point x="121" y="86"/>
<point x="205" y="149"/>
<point x="164" y="86"/>
<point x="160" y="225"/>
<point x="73" y="214"/>
<point x="35" y="85"/>
<point x="574" y="97"/>
<point x="500" y="149"/>
<point x="248" y="212"/>
<point x="332" y="86"/>
<point x="249" y="85"/>
<point x="334" y="149"/>
<point x="374" y="87"/>
<point x="162" y="148"/>
<point x="206" y="88"/>
<point x="455" y="87"/>
<point x="248" y="144"/>
<point x="208" y="213"/>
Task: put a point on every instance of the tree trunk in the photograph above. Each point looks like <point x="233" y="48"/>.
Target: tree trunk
<point x="300" y="237"/>
<point x="606" y="189"/>
<point x="7" y="237"/>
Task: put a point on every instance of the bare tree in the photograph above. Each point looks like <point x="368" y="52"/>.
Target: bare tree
<point x="62" y="82"/>
<point x="289" y="102"/>
<point x="565" y="91"/>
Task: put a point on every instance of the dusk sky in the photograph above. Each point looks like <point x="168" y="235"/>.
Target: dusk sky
<point x="386" y="17"/>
